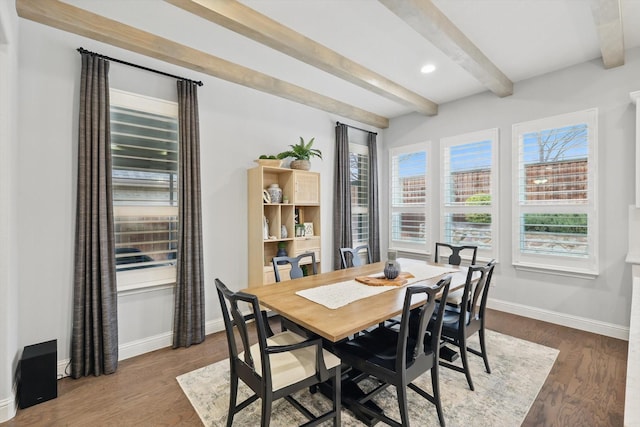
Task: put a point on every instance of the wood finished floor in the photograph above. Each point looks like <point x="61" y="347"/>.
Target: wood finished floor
<point x="586" y="386"/>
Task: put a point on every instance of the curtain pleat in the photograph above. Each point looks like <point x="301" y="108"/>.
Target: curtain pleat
<point x="374" y="208"/>
<point x="94" y="340"/>
<point x="342" y="237"/>
<point x="189" y="316"/>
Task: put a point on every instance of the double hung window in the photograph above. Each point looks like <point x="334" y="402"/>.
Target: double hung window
<point x="410" y="199"/>
<point x="144" y="149"/>
<point x="555" y="224"/>
<point x="469" y="205"/>
<point x="359" y="171"/>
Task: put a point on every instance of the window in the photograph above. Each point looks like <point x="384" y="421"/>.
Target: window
<point x="469" y="205"/>
<point x="555" y="223"/>
<point x="410" y="197"/>
<point x="359" y="169"/>
<point x="144" y="149"/>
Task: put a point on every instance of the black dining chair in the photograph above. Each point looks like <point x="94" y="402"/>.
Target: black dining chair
<point x="352" y="257"/>
<point x="277" y="365"/>
<point x="397" y="356"/>
<point x="295" y="262"/>
<point x="462" y="322"/>
<point x="452" y="254"/>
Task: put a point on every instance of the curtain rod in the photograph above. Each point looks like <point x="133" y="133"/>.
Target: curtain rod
<point x="353" y="127"/>
<point x="83" y="50"/>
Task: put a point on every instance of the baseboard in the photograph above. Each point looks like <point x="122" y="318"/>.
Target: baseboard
<point x="581" y="323"/>
<point x="146" y="345"/>
<point x="9" y="406"/>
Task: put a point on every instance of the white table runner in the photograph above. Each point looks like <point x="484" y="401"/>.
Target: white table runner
<point x="340" y="294"/>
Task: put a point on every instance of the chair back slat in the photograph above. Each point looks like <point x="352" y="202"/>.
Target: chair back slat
<point x="352" y="258"/>
<point x="454" y="253"/>
<point x="235" y="320"/>
<point x="296" y="271"/>
<point x="476" y="291"/>
<point x="415" y="333"/>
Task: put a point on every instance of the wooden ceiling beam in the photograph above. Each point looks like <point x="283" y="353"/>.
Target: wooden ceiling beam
<point x="424" y="17"/>
<point x="243" y="20"/>
<point x="69" y="18"/>
<point x="608" y="20"/>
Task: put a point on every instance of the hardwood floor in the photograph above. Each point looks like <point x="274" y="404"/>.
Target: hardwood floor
<point x="585" y="387"/>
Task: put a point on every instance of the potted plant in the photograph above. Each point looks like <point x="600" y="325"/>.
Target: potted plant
<point x="302" y="153"/>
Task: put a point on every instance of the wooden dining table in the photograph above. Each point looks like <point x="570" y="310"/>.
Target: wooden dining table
<point x="339" y="323"/>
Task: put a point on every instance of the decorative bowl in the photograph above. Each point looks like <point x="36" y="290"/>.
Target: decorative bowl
<point x="275" y="163"/>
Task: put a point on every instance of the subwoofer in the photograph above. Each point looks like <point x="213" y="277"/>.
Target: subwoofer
<point x="38" y="374"/>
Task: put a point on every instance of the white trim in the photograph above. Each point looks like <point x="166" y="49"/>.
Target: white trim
<point x="9" y="406"/>
<point x="558" y="271"/>
<point x="581" y="323"/>
<point x="446" y="143"/>
<point x="588" y="265"/>
<point x="635" y="96"/>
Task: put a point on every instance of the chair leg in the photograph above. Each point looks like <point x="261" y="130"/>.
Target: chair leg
<point x="465" y="363"/>
<point x="435" y="384"/>
<point x="483" y="349"/>
<point x="232" y="398"/>
<point x="337" y="393"/>
<point x="266" y="410"/>
<point x="401" y="391"/>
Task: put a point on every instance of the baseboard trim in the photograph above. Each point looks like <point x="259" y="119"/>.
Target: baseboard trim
<point x="581" y="323"/>
<point x="9" y="406"/>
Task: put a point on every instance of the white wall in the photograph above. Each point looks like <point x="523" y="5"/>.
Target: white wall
<point x="237" y="124"/>
<point x="8" y="237"/>
<point x="600" y="305"/>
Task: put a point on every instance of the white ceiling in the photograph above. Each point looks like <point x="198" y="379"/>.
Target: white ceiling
<point x="523" y="38"/>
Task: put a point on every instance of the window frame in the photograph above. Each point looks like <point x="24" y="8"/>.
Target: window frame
<point x="362" y="150"/>
<point x="587" y="267"/>
<point x="493" y="135"/>
<point x="423" y="247"/>
<point x="134" y="279"/>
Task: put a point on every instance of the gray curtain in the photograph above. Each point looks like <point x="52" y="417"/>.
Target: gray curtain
<point x="342" y="237"/>
<point x="374" y="217"/>
<point x="94" y="341"/>
<point x="188" y="315"/>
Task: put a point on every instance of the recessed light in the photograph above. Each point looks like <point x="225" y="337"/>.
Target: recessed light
<point x="429" y="68"/>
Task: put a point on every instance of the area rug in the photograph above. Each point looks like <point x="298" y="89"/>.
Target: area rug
<point x="503" y="398"/>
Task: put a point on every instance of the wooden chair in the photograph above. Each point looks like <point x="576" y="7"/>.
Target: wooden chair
<point x="296" y="271"/>
<point x="352" y="257"/>
<point x="462" y="322"/>
<point x="396" y="357"/>
<point x="451" y="254"/>
<point x="277" y="365"/>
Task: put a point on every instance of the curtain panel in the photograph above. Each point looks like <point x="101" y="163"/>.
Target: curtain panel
<point x="342" y="237"/>
<point x="374" y="208"/>
<point x="189" y="316"/>
<point x="94" y="340"/>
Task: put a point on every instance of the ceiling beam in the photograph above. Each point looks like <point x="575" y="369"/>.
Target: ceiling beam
<point x="424" y="17"/>
<point x="79" y="21"/>
<point x="608" y="19"/>
<point x="243" y="20"/>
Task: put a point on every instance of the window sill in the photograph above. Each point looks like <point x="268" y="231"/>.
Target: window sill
<point x="151" y="286"/>
<point x="558" y="271"/>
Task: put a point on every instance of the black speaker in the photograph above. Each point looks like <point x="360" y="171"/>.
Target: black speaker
<point x="38" y="374"/>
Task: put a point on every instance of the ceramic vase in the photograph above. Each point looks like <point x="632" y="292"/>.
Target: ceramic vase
<point x="391" y="266"/>
<point x="275" y="192"/>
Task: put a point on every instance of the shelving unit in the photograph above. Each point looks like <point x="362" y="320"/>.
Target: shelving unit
<point x="302" y="188"/>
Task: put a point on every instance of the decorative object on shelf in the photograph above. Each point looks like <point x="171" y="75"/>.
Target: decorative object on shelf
<point x="275" y="163"/>
<point x="275" y="192"/>
<point x="265" y="228"/>
<point x="285" y="199"/>
<point x="391" y="266"/>
<point x="282" y="251"/>
<point x="302" y="153"/>
<point x="266" y="197"/>
<point x="299" y="230"/>
<point x="283" y="232"/>
<point x="308" y="229"/>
